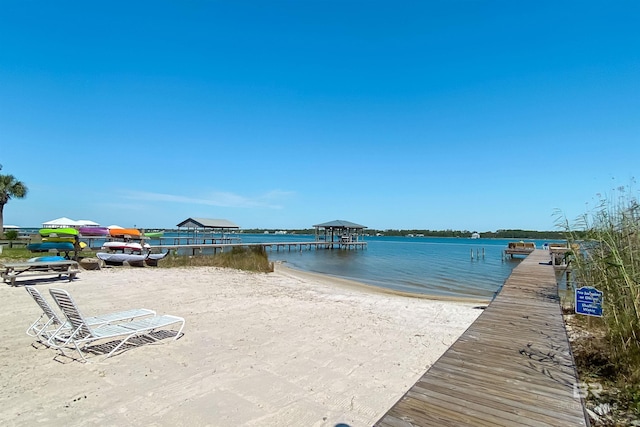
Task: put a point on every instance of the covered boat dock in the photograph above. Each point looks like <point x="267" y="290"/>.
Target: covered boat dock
<point x="207" y="230"/>
<point x="340" y="233"/>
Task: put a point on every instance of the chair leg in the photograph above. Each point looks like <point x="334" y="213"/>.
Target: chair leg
<point x="79" y="352"/>
<point x="32" y="331"/>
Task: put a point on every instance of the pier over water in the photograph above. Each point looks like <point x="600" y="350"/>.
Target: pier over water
<point x="213" y="248"/>
<point x="512" y="367"/>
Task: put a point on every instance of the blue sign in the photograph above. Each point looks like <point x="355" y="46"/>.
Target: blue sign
<point x="589" y="301"/>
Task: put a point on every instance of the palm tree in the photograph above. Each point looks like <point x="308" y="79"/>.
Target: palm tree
<point x="10" y="187"/>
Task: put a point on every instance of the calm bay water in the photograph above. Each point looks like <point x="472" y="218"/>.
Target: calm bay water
<point x="434" y="266"/>
<point x="423" y="265"/>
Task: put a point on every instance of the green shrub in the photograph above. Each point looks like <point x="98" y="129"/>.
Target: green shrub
<point x="11" y="234"/>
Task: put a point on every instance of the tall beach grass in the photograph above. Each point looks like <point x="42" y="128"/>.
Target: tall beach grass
<point x="250" y="259"/>
<point x="609" y="260"/>
<point x="254" y="258"/>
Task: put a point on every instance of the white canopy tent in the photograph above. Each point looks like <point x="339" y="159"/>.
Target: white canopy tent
<point x="60" y="223"/>
<point x="68" y="222"/>
<point x="87" y="223"/>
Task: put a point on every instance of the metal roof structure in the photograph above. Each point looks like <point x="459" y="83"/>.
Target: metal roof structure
<point x="338" y="223"/>
<point x="207" y="223"/>
<point x="345" y="231"/>
<point x="88" y="223"/>
<point x="60" y="223"/>
<point x="68" y="222"/>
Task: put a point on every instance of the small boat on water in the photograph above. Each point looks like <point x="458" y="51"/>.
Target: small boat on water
<point x="94" y="231"/>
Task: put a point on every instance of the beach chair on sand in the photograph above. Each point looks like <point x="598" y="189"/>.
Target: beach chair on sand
<point x="83" y="334"/>
<point x="49" y="324"/>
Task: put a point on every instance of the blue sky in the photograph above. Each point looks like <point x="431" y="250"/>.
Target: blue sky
<point x="476" y="115"/>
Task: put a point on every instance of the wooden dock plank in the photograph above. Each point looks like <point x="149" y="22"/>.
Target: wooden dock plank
<point x="512" y="367"/>
<point x="541" y="385"/>
<point x="495" y="396"/>
<point x="480" y="403"/>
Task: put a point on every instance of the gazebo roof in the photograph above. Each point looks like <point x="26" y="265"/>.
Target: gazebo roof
<point x="338" y="223"/>
<point x="207" y="223"/>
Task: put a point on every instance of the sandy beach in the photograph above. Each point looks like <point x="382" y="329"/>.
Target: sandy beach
<point x="280" y="349"/>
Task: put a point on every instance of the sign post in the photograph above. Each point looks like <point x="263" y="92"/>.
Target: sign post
<point x="589" y="301"/>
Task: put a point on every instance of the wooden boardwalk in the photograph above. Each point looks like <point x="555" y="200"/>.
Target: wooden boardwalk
<point x="512" y="367"/>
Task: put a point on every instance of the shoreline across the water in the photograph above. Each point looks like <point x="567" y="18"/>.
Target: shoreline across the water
<point x="285" y="348"/>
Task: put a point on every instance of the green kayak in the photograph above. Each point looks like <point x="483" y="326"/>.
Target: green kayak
<point x="60" y="232"/>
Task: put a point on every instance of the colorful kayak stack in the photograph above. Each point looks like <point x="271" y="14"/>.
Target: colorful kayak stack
<point x="126" y="245"/>
<point x="56" y="239"/>
<point x="122" y="241"/>
<point x="122" y="245"/>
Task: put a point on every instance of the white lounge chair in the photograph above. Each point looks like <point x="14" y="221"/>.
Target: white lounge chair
<point x="83" y="334"/>
<point x="49" y="324"/>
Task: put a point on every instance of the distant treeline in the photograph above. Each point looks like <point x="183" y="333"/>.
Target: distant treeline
<point x="500" y="234"/>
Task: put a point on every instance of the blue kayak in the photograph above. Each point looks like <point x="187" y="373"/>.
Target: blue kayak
<point x="46" y="246"/>
<point x="47" y="258"/>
